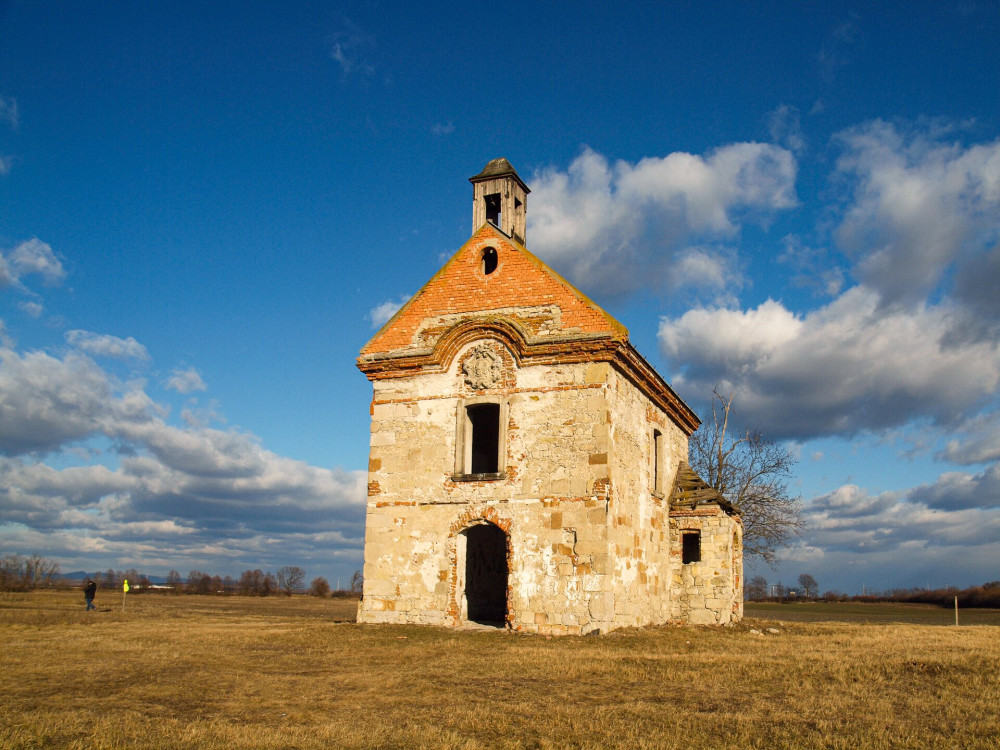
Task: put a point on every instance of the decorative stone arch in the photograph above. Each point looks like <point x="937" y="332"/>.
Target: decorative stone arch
<point x="509" y="333"/>
<point x="479" y="546"/>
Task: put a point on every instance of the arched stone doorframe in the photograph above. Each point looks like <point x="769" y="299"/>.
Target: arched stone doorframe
<point x="469" y="518"/>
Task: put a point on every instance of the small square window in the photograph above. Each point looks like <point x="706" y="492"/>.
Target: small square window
<point x="691" y="547"/>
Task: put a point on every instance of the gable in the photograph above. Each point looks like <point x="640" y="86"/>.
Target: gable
<point x="538" y="315"/>
<point x="522" y="289"/>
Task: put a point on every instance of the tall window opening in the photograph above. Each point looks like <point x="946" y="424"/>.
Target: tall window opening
<point x="493" y="210"/>
<point x="483" y="436"/>
<point x="691" y="547"/>
<point x="486" y="574"/>
<point x="489" y="264"/>
<point x="657" y="461"/>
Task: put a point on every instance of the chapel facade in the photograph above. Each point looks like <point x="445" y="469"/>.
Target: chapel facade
<point x="527" y="466"/>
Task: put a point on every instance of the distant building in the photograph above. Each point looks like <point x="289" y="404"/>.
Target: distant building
<point x="527" y="465"/>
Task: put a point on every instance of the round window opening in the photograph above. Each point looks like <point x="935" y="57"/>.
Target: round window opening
<point x="489" y="260"/>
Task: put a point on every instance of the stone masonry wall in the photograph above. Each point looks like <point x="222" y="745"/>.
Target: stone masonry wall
<point x="551" y="501"/>
<point x="639" y="526"/>
<point x="709" y="591"/>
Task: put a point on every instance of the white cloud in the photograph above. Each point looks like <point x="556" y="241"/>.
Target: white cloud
<point x="46" y="402"/>
<point x="711" y="268"/>
<point x="440" y="129"/>
<point x="380" y="314"/>
<point x="31" y="308"/>
<point x="956" y="490"/>
<point x="5" y="162"/>
<point x="175" y="493"/>
<point x="918" y="206"/>
<point x="103" y="345"/>
<point x="621" y="226"/>
<point x="977" y="440"/>
<point x="186" y="381"/>
<point x="846" y="367"/>
<point x="849" y="519"/>
<point x="35" y="257"/>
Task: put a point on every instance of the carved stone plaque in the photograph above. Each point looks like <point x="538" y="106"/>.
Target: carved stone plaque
<point x="482" y="368"/>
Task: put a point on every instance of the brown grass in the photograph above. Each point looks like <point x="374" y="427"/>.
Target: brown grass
<point x="210" y="672"/>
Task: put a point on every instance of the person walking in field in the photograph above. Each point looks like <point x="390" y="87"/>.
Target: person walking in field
<point x="88" y="593"/>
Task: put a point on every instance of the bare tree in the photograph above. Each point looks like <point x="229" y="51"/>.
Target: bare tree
<point x="174" y="581"/>
<point x="357" y="582"/>
<point x="752" y="473"/>
<point x="808" y="584"/>
<point x="319" y="587"/>
<point x="26" y="573"/>
<point x="290" y="578"/>
<point x="267" y="584"/>
<point x="250" y="582"/>
<point x="757" y="589"/>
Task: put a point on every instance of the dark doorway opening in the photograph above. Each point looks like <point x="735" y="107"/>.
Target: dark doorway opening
<point x="486" y="574"/>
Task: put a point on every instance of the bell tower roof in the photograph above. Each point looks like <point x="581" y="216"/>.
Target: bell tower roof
<point x="499" y="168"/>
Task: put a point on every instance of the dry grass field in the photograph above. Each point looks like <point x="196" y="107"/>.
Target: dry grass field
<point x="875" y="612"/>
<point x="202" y="672"/>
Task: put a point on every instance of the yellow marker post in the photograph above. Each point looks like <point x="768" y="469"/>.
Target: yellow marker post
<point x="124" y="591"/>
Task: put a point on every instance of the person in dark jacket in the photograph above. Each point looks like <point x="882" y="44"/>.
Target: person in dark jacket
<point x="88" y="593"/>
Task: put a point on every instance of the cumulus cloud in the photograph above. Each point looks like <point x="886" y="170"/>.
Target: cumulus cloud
<point x="46" y="402"/>
<point x="380" y="314"/>
<point x="934" y="533"/>
<point x="917" y="207"/>
<point x="211" y="488"/>
<point x="103" y="345"/>
<point x="957" y="490"/>
<point x="33" y="257"/>
<point x="623" y="225"/>
<point x="975" y="441"/>
<point x="186" y="381"/>
<point x="843" y="368"/>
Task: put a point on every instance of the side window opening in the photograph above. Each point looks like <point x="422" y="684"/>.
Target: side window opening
<point x="483" y="438"/>
<point x="691" y="547"/>
<point x="657" y="461"/>
<point x="493" y="210"/>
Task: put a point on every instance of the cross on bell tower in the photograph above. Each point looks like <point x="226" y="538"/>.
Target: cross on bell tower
<point x="500" y="197"/>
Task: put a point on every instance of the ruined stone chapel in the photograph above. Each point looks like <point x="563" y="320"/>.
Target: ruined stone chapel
<point x="527" y="466"/>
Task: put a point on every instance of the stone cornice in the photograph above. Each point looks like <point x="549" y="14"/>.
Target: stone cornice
<point x="535" y="350"/>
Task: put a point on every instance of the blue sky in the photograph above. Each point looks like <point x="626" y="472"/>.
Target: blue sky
<point x="206" y="211"/>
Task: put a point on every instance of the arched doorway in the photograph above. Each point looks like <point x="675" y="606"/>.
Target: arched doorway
<point x="486" y="574"/>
